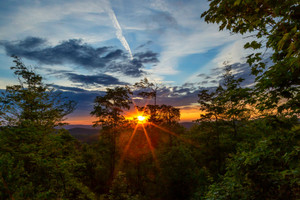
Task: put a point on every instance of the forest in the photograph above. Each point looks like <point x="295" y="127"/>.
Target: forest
<point x="245" y="144"/>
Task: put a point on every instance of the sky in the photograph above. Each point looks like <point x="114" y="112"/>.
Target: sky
<point x="83" y="47"/>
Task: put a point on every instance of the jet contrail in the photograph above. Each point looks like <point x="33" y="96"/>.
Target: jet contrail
<point x="119" y="33"/>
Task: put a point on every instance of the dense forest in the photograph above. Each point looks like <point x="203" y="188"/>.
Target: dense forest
<point x="245" y="144"/>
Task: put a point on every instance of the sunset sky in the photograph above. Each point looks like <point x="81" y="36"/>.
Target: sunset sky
<point x="83" y="47"/>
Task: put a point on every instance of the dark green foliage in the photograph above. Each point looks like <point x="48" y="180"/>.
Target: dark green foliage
<point x="37" y="161"/>
<point x="228" y="102"/>
<point x="228" y="154"/>
<point x="120" y="189"/>
<point x="265" y="168"/>
<point x="108" y="108"/>
<point x="275" y="25"/>
<point x="31" y="101"/>
<point x="38" y="166"/>
<point x="179" y="173"/>
<point x="96" y="170"/>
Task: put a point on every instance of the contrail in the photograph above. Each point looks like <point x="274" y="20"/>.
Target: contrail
<point x="118" y="28"/>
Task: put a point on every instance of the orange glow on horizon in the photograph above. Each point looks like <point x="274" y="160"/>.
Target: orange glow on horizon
<point x="187" y="114"/>
<point x="80" y="120"/>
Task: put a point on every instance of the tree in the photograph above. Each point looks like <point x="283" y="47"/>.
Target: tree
<point x="161" y="114"/>
<point x="224" y="109"/>
<point x="265" y="166"/>
<point x="108" y="109"/>
<point x="120" y="189"/>
<point x="169" y="114"/>
<point x="179" y="173"/>
<point x="36" y="160"/>
<point x="211" y="104"/>
<point x="150" y="89"/>
<point x="275" y="25"/>
<point x="165" y="115"/>
<point x="228" y="102"/>
<point x="32" y="101"/>
<point x="236" y="99"/>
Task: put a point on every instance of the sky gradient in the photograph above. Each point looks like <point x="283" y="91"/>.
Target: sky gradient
<point x="83" y="47"/>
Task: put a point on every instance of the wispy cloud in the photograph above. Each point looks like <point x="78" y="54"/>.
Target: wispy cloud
<point x="118" y="28"/>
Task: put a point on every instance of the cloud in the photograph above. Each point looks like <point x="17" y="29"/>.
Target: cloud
<point x="74" y="51"/>
<point x="238" y="69"/>
<point x="55" y="19"/>
<point x="160" y="20"/>
<point x="100" y="79"/>
<point x="201" y="75"/>
<point x="31" y="42"/>
<point x="147" y="57"/>
<point x="84" y="100"/>
<point x="69" y="89"/>
<point x="71" y="51"/>
<point x="184" y="95"/>
<point x="118" y="28"/>
<point x="143" y="45"/>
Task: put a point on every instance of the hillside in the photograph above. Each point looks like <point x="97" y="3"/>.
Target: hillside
<point x="87" y="135"/>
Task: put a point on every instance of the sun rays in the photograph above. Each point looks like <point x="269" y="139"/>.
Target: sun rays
<point x="151" y="147"/>
<point x="141" y="124"/>
<point x="141" y="118"/>
<point x="176" y="135"/>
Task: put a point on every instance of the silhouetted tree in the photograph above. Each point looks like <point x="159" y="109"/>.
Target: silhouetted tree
<point x="236" y="100"/>
<point x="32" y="101"/>
<point x="108" y="109"/>
<point x="150" y="89"/>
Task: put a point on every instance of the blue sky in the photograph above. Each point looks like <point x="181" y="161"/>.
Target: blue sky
<point x="82" y="47"/>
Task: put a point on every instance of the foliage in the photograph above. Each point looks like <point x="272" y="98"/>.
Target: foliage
<point x="120" y="189"/>
<point x="211" y="104"/>
<point x="150" y="89"/>
<point x="226" y="155"/>
<point x="275" y="25"/>
<point x="179" y="173"/>
<point x="31" y="101"/>
<point x="95" y="172"/>
<point x="36" y="160"/>
<point x="38" y="166"/>
<point x="229" y="101"/>
<point x="108" y="108"/>
<point x="161" y="114"/>
<point x="266" y="169"/>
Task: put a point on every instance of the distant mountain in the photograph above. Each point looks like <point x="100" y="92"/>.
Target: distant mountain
<point x="87" y="135"/>
<point x="79" y="126"/>
<point x="187" y="125"/>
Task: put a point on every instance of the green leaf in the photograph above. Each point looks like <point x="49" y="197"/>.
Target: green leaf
<point x="237" y="2"/>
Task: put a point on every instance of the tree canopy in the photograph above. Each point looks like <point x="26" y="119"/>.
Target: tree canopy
<point x="32" y="101"/>
<point x="274" y="25"/>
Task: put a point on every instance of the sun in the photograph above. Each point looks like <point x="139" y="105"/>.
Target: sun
<point x="141" y="119"/>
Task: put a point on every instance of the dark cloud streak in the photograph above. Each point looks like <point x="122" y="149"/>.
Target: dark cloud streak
<point x="100" y="79"/>
<point x="74" y="51"/>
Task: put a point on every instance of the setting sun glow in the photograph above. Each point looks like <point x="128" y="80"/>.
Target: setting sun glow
<point x="141" y="118"/>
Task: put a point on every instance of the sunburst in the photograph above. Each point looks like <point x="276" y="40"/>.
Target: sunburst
<point x="141" y="121"/>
